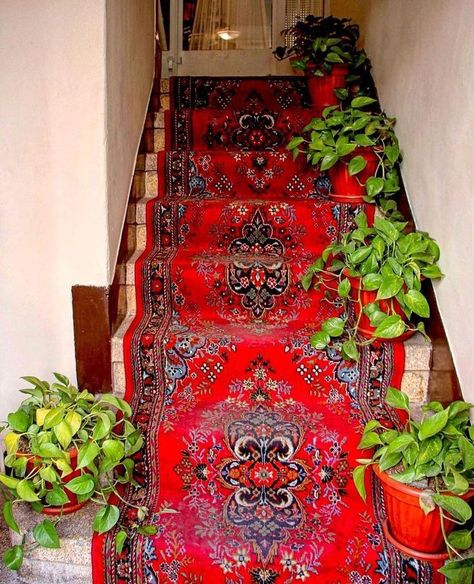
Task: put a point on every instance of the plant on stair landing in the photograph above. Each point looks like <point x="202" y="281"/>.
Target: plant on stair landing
<point x="438" y="450"/>
<point x="66" y="447"/>
<point x="377" y="272"/>
<point x="358" y="149"/>
<point x="325" y="49"/>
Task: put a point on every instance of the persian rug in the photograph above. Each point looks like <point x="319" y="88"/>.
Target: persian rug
<point x="250" y="433"/>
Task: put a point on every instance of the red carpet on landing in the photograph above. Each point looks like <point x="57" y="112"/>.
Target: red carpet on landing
<point x="250" y="433"/>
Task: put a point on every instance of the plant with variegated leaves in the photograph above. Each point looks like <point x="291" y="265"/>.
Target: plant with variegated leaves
<point x="439" y="450"/>
<point x="386" y="261"/>
<point x="337" y="136"/>
<point x="55" y="421"/>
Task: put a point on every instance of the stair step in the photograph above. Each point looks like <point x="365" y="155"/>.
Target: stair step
<point x="69" y="564"/>
<point x="229" y="130"/>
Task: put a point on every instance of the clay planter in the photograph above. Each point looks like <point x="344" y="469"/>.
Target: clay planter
<point x="407" y="521"/>
<point x="367" y="297"/>
<point x="73" y="504"/>
<point x="351" y="189"/>
<point x="436" y="560"/>
<point x="321" y="89"/>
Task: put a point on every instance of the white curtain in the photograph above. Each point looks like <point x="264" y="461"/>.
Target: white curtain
<point x="245" y="20"/>
<point x="297" y="10"/>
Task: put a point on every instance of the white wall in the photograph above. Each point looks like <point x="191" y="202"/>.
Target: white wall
<point x="58" y="174"/>
<point x="423" y="63"/>
<point x="130" y="72"/>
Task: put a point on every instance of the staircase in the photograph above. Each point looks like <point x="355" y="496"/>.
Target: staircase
<point x="428" y="367"/>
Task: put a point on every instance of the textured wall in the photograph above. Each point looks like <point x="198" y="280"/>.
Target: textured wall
<point x="130" y="71"/>
<point x="423" y="58"/>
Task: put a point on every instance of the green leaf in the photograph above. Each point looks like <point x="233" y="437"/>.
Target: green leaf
<point x="429" y="449"/>
<point x="458" y="571"/>
<point x="62" y="378"/>
<point x="390" y="328"/>
<point x="56" y="496"/>
<point x="104" y="425"/>
<point x="113" y="449"/>
<point x="120" y="540"/>
<point x="25" y="491"/>
<point x="385" y="227"/>
<point x="46" y="535"/>
<point x="87" y="454"/>
<point x="389" y="287"/>
<point x="369" y="440"/>
<point x="389" y="460"/>
<point x="333" y="326"/>
<point x="106" y="518"/>
<point x="406" y="476"/>
<point x="74" y="420"/>
<point x="63" y="433"/>
<point x="432" y="272"/>
<point x="359" y="480"/>
<point x="49" y="450"/>
<point x="320" y="340"/>
<point x="117" y="402"/>
<point x="19" y="421"/>
<point x="362" y="101"/>
<point x="9" y="482"/>
<point x="8" y="516"/>
<point x="81" y="485"/>
<point x="306" y="281"/>
<point x="345" y="149"/>
<point x="461" y="539"/>
<point x="147" y="529"/>
<point x="328" y="161"/>
<point x="350" y="351"/>
<point x="13" y="557"/>
<point x="356" y="165"/>
<point x="344" y="288"/>
<point x="400" y="443"/>
<point x="374" y="186"/>
<point x="467" y="452"/>
<point x="455" y="506"/>
<point x="397" y="399"/>
<point x="372" y="281"/>
<point x="53" y="417"/>
<point x="295" y="142"/>
<point x="392" y="152"/>
<point x="433" y="425"/>
<point x="47" y="473"/>
<point x="417" y="303"/>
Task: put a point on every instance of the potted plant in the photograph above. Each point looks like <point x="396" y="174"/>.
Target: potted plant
<point x="65" y="447"/>
<point x="426" y="470"/>
<point x="325" y="49"/>
<point x="377" y="272"/>
<point x="358" y="149"/>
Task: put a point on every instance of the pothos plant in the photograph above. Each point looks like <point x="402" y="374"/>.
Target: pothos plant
<point x="338" y="134"/>
<point x="60" y="432"/>
<point x="384" y="260"/>
<point x="439" y="450"/>
<point x="318" y="43"/>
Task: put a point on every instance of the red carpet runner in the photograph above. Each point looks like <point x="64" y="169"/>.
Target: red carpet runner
<point x="251" y="433"/>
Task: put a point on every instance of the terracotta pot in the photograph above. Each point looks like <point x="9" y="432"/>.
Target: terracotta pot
<point x="73" y="504"/>
<point x="407" y="520"/>
<point x="436" y="561"/>
<point x="367" y="297"/>
<point x="321" y="89"/>
<point x="351" y="189"/>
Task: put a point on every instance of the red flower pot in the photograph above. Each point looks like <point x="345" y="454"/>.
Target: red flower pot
<point x="436" y="561"/>
<point x="351" y="189"/>
<point x="407" y="521"/>
<point x="321" y="89"/>
<point x="73" y="504"/>
<point x="390" y="306"/>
